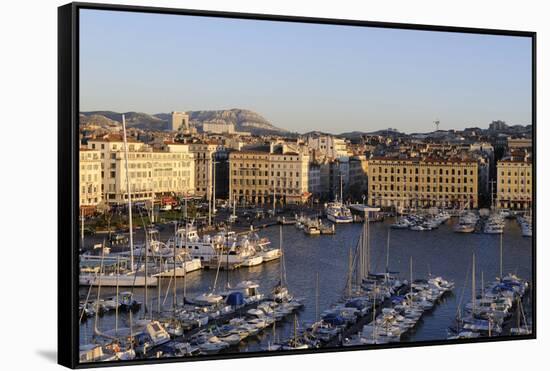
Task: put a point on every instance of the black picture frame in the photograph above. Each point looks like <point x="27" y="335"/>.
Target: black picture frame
<point x="68" y="147"/>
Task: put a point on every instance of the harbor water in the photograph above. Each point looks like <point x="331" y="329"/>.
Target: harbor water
<point x="439" y="252"/>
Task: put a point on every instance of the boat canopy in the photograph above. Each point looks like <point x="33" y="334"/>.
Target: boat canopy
<point x="235" y="298"/>
<point x="356" y="303"/>
<point x="334" y="319"/>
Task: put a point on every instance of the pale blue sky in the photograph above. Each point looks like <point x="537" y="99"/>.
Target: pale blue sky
<point x="303" y="77"/>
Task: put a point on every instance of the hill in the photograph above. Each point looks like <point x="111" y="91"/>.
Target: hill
<point x="244" y="120"/>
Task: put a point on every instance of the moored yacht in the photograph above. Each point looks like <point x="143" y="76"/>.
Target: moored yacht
<point x="338" y="213"/>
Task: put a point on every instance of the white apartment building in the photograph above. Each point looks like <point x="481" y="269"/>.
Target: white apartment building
<point x="90" y="177"/>
<point x="151" y="173"/>
<point x="328" y="146"/>
<point x="218" y="128"/>
<point x="289" y="171"/>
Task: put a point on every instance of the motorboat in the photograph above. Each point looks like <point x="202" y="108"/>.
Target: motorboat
<point x="338" y="213"/>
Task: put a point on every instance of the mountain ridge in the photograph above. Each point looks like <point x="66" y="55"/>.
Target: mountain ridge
<point x="244" y="120"/>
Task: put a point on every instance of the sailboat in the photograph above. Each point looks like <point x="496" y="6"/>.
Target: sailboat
<point x="132" y="275"/>
<point x="520" y="329"/>
<point x="280" y="292"/>
<point x="295" y="342"/>
<point x="111" y="350"/>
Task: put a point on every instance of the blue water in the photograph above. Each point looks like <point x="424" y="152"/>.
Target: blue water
<point x="439" y="252"/>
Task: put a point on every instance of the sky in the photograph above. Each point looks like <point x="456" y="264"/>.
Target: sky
<point x="303" y="77"/>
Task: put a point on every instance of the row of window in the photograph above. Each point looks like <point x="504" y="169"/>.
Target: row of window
<point x="89" y="178"/>
<point x="84" y="167"/>
<point x="416" y="188"/>
<point x="515" y="190"/>
<point x="515" y="181"/>
<point x="527" y="173"/>
<point x="428" y="171"/>
<point x="247" y="165"/>
<point x="265" y="193"/>
<point x="89" y="189"/>
<point x="376" y="196"/>
<point x="263" y="182"/>
<point x="427" y="179"/>
<point x="264" y="173"/>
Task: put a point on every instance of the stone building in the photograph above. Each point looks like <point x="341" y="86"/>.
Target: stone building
<point x="428" y="182"/>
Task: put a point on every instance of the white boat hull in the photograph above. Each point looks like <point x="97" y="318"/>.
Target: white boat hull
<point x="112" y="281"/>
<point x="189" y="266"/>
<point x="251" y="262"/>
<point x="339" y="220"/>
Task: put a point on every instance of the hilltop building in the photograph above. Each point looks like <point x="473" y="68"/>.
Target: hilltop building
<point x="218" y="128"/>
<point x="180" y="121"/>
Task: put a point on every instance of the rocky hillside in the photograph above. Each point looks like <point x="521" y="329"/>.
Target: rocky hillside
<point x="244" y="120"/>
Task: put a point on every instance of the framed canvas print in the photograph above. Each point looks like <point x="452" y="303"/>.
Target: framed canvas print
<point x="236" y="185"/>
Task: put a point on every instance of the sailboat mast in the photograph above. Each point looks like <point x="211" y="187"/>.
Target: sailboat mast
<point x="209" y="191"/>
<point x="116" y="304"/>
<point x="186" y="251"/>
<point x="341" y="190"/>
<point x="482" y="285"/>
<point x="159" y="280"/>
<point x="388" y="253"/>
<point x="350" y="271"/>
<point x="146" y="309"/>
<point x="295" y="330"/>
<point x="360" y="259"/>
<point x="81" y="228"/>
<point x="174" y="298"/>
<point x="411" y="277"/>
<point x="234" y="207"/>
<point x="500" y="256"/>
<point x="281" y="249"/>
<point x="367" y="241"/>
<point x="473" y="284"/>
<point x="96" y="330"/>
<point x="128" y="193"/>
<point x="374" y="315"/>
<point x="317" y="298"/>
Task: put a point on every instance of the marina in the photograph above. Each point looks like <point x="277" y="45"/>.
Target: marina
<point x="440" y="253"/>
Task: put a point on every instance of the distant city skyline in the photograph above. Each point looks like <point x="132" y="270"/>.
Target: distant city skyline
<point x="303" y="77"/>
